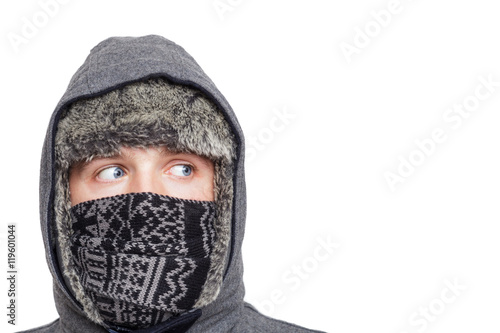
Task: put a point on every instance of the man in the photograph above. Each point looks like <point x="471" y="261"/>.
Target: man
<point x="142" y="198"/>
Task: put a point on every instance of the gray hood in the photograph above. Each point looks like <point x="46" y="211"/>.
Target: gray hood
<point x="115" y="63"/>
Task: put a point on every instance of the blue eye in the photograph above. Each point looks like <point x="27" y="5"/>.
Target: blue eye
<point x="111" y="173"/>
<point x="182" y="170"/>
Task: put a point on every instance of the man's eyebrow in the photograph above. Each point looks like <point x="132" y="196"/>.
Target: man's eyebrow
<point x="204" y="160"/>
<point x="84" y="164"/>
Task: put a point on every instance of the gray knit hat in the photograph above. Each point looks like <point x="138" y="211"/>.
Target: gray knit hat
<point x="142" y="114"/>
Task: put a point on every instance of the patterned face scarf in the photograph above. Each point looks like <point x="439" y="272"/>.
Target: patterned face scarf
<point x="142" y="257"/>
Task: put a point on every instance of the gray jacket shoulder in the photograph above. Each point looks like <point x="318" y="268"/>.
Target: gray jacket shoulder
<point x="53" y="327"/>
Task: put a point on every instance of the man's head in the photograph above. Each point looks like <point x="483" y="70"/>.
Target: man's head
<point x="151" y="155"/>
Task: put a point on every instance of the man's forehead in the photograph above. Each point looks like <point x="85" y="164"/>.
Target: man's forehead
<point x="134" y="153"/>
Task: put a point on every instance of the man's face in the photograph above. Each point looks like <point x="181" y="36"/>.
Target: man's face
<point x="157" y="170"/>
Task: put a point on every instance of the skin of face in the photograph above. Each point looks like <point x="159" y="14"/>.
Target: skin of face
<point x="155" y="169"/>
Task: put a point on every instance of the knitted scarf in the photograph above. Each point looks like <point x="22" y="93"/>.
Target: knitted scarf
<point x="142" y="257"/>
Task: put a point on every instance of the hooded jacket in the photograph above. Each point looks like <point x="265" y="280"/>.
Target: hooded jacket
<point x="111" y="65"/>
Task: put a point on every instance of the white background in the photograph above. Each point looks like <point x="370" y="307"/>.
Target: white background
<point x="320" y="176"/>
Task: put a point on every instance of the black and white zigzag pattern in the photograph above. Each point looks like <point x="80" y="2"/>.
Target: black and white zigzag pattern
<point x="142" y="256"/>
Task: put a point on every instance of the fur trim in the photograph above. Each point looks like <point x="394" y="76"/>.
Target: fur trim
<point x="143" y="114"/>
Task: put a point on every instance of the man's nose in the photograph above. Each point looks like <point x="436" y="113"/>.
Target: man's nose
<point x="146" y="182"/>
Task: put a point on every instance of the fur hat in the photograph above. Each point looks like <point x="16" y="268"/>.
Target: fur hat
<point x="142" y="114"/>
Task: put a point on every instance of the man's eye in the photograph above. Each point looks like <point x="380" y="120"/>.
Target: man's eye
<point x="182" y="170"/>
<point x="111" y="173"/>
